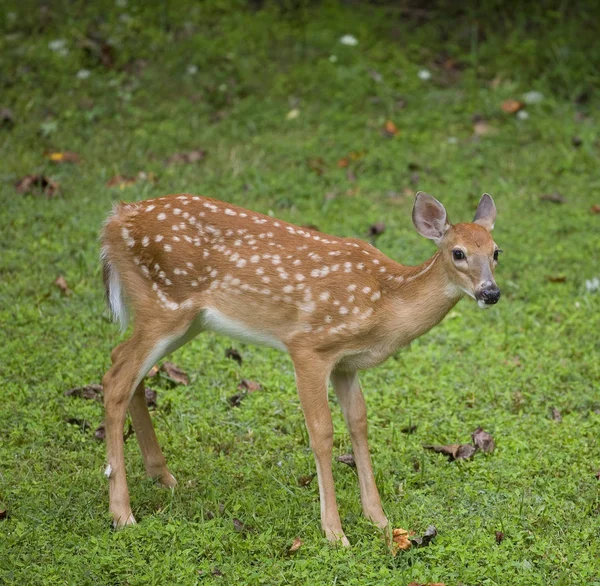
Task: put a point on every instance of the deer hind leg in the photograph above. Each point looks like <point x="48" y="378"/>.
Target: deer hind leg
<point x="131" y="361"/>
<point x="352" y="402"/>
<point x="154" y="460"/>
<point x="311" y="379"/>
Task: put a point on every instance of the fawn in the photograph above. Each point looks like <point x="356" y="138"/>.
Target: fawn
<point x="185" y="264"/>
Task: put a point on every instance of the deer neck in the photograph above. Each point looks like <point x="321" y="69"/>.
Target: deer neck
<point x="419" y="298"/>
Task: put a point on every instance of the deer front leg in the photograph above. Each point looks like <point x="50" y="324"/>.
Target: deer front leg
<point x="349" y="394"/>
<point x="311" y="378"/>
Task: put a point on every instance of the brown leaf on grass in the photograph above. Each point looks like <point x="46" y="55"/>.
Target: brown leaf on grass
<point x="236" y="400"/>
<point x="595" y="209"/>
<point x="7" y="118"/>
<point x="121" y="181"/>
<point x="316" y="165"/>
<point x="100" y="432"/>
<point x="426" y="538"/>
<point x="187" y="157"/>
<point x="555" y="414"/>
<point x="343" y="163"/>
<point x="63" y="157"/>
<point x="400" y="541"/>
<point x="347" y="459"/>
<point x="483" y="440"/>
<point x="99" y="50"/>
<point x="554" y="197"/>
<point x="556" y="278"/>
<point x="249" y="385"/>
<point x="512" y="106"/>
<point x="61" y="283"/>
<point x="482" y="128"/>
<point x="92" y="392"/>
<point x="37" y="185"/>
<point x="296" y="545"/>
<point x="240" y="526"/>
<point x="153" y="371"/>
<point x="305" y="481"/>
<point x="234" y="355"/>
<point x="151" y="396"/>
<point x="376" y="229"/>
<point x="175" y="373"/>
<point x="454" y="451"/>
<point x="390" y="129"/>
<point x="499" y="537"/>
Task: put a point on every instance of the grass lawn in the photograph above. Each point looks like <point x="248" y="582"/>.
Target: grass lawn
<point x="292" y="122"/>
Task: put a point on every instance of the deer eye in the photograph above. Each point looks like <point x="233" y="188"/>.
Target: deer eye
<point x="458" y="254"/>
<point x="496" y="252"/>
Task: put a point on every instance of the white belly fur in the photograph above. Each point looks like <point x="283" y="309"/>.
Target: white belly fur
<point x="214" y="320"/>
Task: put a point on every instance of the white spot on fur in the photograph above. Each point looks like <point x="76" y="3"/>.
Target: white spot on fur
<point x="162" y="216"/>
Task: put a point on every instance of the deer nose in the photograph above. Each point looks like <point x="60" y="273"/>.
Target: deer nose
<point x="490" y="295"/>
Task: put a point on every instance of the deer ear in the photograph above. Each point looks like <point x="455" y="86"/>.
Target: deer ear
<point x="429" y="217"/>
<point x="486" y="212"/>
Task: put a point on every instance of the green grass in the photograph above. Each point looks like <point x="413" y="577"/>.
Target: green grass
<point x="503" y="369"/>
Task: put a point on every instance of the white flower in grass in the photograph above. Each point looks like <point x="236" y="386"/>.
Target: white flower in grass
<point x="192" y="69"/>
<point x="83" y="73"/>
<point x="533" y="97"/>
<point x="592" y="285"/>
<point x="293" y="114"/>
<point x="522" y="114"/>
<point x="57" y="45"/>
<point x="349" y="40"/>
<point x="424" y="74"/>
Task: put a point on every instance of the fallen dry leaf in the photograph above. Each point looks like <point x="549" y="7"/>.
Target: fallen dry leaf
<point x="316" y="164"/>
<point x="175" y="373"/>
<point x="121" y="181"/>
<point x="151" y="396"/>
<point x="92" y="392"/>
<point x="347" y="459"/>
<point x="249" y="385"/>
<point x="454" y="451"/>
<point x="482" y="128"/>
<point x="343" y="163"/>
<point x="556" y="278"/>
<point x="426" y="538"/>
<point x="595" y="209"/>
<point x="512" y="106"/>
<point x="7" y="118"/>
<point x="305" y="481"/>
<point x="61" y="283"/>
<point x="376" y="229"/>
<point x="499" y="537"/>
<point x="234" y="355"/>
<point x="236" y="400"/>
<point x="296" y="545"/>
<point x="38" y="185"/>
<point x="390" y="129"/>
<point x="187" y="157"/>
<point x="100" y="432"/>
<point x="240" y="526"/>
<point x="555" y="414"/>
<point x="400" y="541"/>
<point x="483" y="440"/>
<point x="63" y="157"/>
<point x="554" y="197"/>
